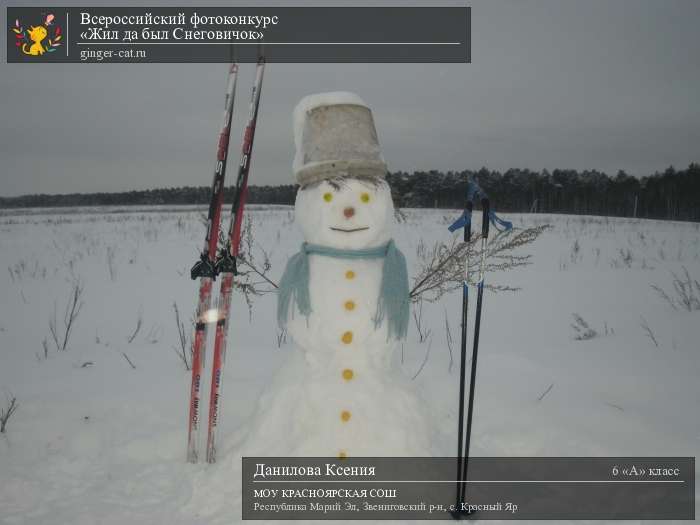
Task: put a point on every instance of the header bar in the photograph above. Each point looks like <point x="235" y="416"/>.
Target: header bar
<point x="223" y="34"/>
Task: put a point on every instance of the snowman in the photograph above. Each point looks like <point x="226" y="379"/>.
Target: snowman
<point x="344" y="300"/>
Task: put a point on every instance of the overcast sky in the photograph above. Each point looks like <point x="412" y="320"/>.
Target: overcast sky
<point x="604" y="85"/>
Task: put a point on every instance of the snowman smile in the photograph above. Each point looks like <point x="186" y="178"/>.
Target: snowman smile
<point x="350" y="230"/>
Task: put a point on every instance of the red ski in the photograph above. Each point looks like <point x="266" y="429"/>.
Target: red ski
<point x="226" y="263"/>
<point x="205" y="271"/>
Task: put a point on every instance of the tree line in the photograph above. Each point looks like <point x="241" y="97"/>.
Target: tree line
<point x="672" y="194"/>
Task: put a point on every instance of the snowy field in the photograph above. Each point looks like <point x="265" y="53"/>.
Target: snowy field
<point x="100" y="431"/>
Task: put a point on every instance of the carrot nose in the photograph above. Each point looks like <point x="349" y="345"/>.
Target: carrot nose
<point x="349" y="212"/>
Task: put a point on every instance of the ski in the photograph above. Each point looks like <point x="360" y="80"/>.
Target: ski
<point x="226" y="263"/>
<point x="204" y="269"/>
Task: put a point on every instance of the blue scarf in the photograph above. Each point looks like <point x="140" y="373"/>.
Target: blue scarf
<point x="393" y="302"/>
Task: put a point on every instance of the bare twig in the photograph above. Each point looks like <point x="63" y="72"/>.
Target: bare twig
<point x="110" y="264"/>
<point x="73" y="307"/>
<point x="423" y="333"/>
<point x="7" y="412"/>
<point x="662" y="293"/>
<point x="183" y="350"/>
<point x="129" y="360"/>
<point x="686" y="293"/>
<point x="443" y="266"/>
<point x="448" y="337"/>
<point x="154" y="333"/>
<point x="246" y="258"/>
<point x="262" y="273"/>
<point x="53" y="329"/>
<point x="139" y="323"/>
<point x="648" y="332"/>
<point x="549" y="388"/>
<point x="281" y="337"/>
<point x="425" y="359"/>
<point x="442" y="257"/>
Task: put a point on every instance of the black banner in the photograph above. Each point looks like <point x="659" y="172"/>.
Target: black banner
<point x="223" y="34"/>
<point x="661" y="488"/>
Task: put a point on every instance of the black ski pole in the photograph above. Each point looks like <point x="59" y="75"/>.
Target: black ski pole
<point x="477" y="325"/>
<point x="463" y="222"/>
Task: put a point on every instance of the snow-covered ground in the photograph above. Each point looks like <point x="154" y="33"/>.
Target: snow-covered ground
<point x="99" y="434"/>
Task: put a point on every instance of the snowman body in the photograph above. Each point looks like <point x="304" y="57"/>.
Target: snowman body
<point x="342" y="392"/>
<point x="340" y="328"/>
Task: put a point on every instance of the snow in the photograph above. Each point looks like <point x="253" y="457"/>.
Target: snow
<point x="97" y="441"/>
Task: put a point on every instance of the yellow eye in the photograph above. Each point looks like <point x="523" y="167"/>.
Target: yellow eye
<point x="328" y="197"/>
<point x="364" y="197"/>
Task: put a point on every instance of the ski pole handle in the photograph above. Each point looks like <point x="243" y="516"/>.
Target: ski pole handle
<point x="468" y="227"/>
<point x="464" y="221"/>
<point x="486" y="209"/>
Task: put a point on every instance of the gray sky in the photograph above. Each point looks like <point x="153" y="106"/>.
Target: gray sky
<point x="553" y="84"/>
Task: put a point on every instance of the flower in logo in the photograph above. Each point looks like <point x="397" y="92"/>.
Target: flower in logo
<point x="31" y="41"/>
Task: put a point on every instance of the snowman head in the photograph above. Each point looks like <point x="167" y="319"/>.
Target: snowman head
<point x="344" y="201"/>
<point x="347" y="213"/>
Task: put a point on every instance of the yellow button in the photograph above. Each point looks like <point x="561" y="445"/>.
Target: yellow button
<point x="345" y="416"/>
<point x="349" y="274"/>
<point x="349" y="305"/>
<point x="348" y="374"/>
<point x="347" y="338"/>
<point x="342" y="454"/>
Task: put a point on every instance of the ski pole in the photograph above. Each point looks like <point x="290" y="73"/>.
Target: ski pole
<point x="463" y="442"/>
<point x="463" y="222"/>
<point x="226" y="263"/>
<point x="205" y="271"/>
<point x="485" y="220"/>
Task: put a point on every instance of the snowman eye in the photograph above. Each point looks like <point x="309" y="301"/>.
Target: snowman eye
<point x="364" y="197"/>
<point x="328" y="197"/>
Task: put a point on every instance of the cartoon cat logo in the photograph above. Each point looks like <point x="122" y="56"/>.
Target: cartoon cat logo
<point x="36" y="35"/>
<point x="31" y="41"/>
